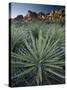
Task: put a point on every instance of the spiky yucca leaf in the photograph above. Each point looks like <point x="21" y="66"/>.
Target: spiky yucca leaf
<point x="39" y="58"/>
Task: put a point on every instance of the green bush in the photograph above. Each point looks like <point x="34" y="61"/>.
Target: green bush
<point x="37" y="54"/>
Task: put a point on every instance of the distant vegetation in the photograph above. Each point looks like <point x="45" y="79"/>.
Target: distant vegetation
<point x="37" y="52"/>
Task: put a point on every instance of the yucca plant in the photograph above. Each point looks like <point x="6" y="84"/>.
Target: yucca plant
<point x="38" y="60"/>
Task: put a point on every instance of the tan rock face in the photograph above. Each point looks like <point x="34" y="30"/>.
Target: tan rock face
<point x="30" y="14"/>
<point x="57" y="15"/>
<point x="53" y="15"/>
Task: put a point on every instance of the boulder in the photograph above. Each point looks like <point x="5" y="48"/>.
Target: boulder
<point x="19" y="18"/>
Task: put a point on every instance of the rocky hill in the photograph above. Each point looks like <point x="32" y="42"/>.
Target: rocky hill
<point x="53" y="15"/>
<point x="19" y="17"/>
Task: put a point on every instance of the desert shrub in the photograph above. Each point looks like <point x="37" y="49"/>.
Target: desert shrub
<point x="37" y="55"/>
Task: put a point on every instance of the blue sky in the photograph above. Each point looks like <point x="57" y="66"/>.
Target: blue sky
<point x="22" y="8"/>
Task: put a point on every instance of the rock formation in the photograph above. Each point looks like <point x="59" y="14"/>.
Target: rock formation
<point x="53" y="15"/>
<point x="19" y="18"/>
